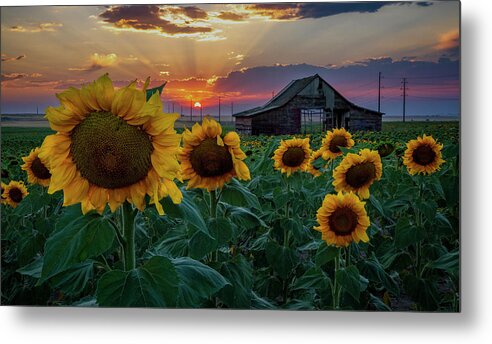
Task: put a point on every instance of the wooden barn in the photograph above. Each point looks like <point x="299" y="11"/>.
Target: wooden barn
<point x="304" y="102"/>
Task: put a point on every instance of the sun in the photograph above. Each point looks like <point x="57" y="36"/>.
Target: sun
<point x="198" y="104"/>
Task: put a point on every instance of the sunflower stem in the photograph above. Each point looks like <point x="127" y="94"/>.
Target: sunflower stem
<point x="334" y="292"/>
<point x="287" y="210"/>
<point x="349" y="253"/>
<point x="418" y="220"/>
<point x="128" y="224"/>
<point x="213" y="203"/>
<point x="213" y="214"/>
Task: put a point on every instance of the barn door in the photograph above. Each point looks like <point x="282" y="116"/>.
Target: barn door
<point x="295" y="128"/>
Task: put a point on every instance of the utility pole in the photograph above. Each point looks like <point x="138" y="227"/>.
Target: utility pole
<point x="219" y="109"/>
<point x="404" y="88"/>
<point x="191" y="110"/>
<point x="232" y="108"/>
<point x="173" y="107"/>
<point x="201" y="112"/>
<point x="273" y="94"/>
<point x="379" y="92"/>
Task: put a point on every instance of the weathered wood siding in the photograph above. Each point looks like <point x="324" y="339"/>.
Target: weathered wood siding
<point x="243" y="125"/>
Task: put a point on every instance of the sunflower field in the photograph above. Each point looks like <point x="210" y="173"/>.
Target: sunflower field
<point x="114" y="207"/>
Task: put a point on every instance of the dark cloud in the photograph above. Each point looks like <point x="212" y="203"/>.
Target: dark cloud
<point x="233" y="16"/>
<point x="6" y="58"/>
<point x="319" y="10"/>
<point x="148" y="17"/>
<point x="192" y="12"/>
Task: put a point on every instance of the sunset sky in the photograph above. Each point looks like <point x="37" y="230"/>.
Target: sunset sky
<point x="240" y="52"/>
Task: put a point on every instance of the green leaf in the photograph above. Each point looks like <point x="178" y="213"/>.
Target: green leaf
<point x="240" y="274"/>
<point x="32" y="203"/>
<point x="374" y="271"/>
<point x="32" y="269"/>
<point x="237" y="194"/>
<point x="198" y="282"/>
<point x="428" y="208"/>
<point x="244" y="217"/>
<point x="74" y="280"/>
<point x="265" y="162"/>
<point x="155" y="284"/>
<point x="449" y="262"/>
<point x="187" y="211"/>
<point x="280" y="197"/>
<point x="78" y="239"/>
<point x="261" y="303"/>
<point x="151" y="91"/>
<point x="314" y="278"/>
<point x="221" y="229"/>
<point x="294" y="226"/>
<point x="406" y="234"/>
<point x="377" y="204"/>
<point x="325" y="254"/>
<point x="378" y="304"/>
<point x="422" y="291"/>
<point x="350" y="280"/>
<point x="282" y="259"/>
<point x="201" y="244"/>
<point x="174" y="243"/>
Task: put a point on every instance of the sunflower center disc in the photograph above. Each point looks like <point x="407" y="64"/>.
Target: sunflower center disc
<point x="211" y="160"/>
<point x="359" y="175"/>
<point x="15" y="195"/>
<point x="109" y="152"/>
<point x="336" y="142"/>
<point x="385" y="149"/>
<point x="39" y="170"/>
<point x="293" y="157"/>
<point x="343" y="221"/>
<point x="423" y="155"/>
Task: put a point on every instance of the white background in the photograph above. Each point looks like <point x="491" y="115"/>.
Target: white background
<point x="472" y="325"/>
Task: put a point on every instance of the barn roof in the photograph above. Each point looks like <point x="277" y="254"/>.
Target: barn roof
<point x="289" y="92"/>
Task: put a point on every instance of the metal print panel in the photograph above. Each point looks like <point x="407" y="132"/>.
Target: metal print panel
<point x="282" y="156"/>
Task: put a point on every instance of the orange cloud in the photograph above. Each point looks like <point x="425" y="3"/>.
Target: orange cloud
<point x="43" y="27"/>
<point x="98" y="61"/>
<point x="232" y="16"/>
<point x="448" y="40"/>
<point x="15" y="76"/>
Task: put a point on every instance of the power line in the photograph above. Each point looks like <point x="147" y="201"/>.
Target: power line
<point x="435" y="98"/>
<point x="425" y="77"/>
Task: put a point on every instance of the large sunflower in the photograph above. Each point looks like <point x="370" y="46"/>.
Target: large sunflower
<point x="357" y="172"/>
<point x="14" y="193"/>
<point x="333" y="141"/>
<point x="292" y="155"/>
<point x="423" y="155"/>
<point x="209" y="160"/>
<point x="111" y="146"/>
<point x="342" y="219"/>
<point x="37" y="172"/>
<point x="315" y="163"/>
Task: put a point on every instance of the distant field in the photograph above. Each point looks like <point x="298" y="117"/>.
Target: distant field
<point x="386" y="126"/>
